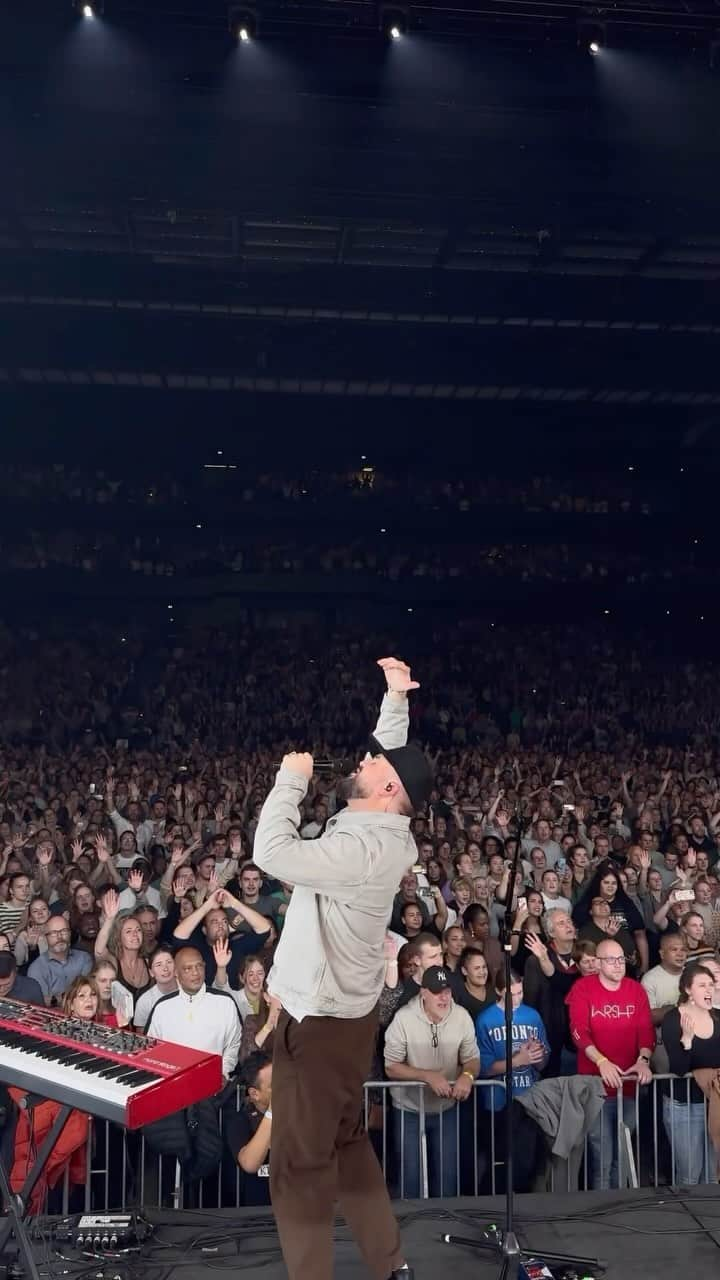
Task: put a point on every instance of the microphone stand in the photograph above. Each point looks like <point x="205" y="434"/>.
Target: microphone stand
<point x="504" y="1243"/>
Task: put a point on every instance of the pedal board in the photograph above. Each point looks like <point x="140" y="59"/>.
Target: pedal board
<point x="102" y="1232"/>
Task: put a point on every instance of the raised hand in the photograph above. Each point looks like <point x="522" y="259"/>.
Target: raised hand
<point x="111" y="903"/>
<point x="299" y="762"/>
<point x="101" y="849"/>
<point x="687" y="1022"/>
<point x="390" y="948"/>
<point x="135" y="881"/>
<point x="536" y="945"/>
<point x="44" y="857"/>
<point x="134" y="791"/>
<point x="178" y="856"/>
<point x="222" y="953"/>
<point x="397" y="675"/>
<point x="76" y="849"/>
<point x="219" y="813"/>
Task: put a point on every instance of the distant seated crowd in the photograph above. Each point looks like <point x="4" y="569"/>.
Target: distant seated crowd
<point x="595" y="494"/>
<point x="126" y="878"/>
<point x="206" y="553"/>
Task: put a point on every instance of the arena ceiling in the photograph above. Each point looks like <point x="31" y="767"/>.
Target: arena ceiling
<point x="478" y="236"/>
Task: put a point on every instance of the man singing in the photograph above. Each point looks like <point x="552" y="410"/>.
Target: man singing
<point x="328" y="974"/>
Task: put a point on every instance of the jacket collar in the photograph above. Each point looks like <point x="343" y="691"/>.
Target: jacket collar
<point x="191" y="999"/>
<point x="366" y="818"/>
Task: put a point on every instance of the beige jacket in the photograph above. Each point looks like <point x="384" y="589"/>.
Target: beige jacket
<point x="329" y="961"/>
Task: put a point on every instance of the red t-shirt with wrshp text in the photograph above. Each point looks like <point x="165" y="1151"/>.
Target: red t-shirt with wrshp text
<point x="618" y="1023"/>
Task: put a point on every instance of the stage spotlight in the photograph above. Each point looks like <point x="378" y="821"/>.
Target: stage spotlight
<point x="243" y="23"/>
<point x="89" y="8"/>
<point x="393" y="22"/>
<point x="592" y="37"/>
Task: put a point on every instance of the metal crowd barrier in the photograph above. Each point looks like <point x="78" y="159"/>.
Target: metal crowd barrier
<point x="657" y="1136"/>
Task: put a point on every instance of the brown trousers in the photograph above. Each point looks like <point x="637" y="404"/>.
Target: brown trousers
<point x="320" y="1151"/>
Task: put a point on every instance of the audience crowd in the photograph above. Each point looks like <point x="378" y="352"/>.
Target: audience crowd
<point x="199" y="691"/>
<point x="204" y="553"/>
<point x="131" y="781"/>
<point x="598" y="494"/>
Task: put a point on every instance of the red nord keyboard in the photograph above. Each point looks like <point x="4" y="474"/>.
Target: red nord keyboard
<point x="112" y="1074"/>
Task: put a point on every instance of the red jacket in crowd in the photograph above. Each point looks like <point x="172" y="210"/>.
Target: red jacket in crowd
<point x="69" y="1151"/>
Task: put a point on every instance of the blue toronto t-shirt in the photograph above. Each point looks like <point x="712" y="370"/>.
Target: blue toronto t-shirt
<point x="490" y="1031"/>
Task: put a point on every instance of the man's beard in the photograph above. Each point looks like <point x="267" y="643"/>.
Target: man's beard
<point x="351" y="788"/>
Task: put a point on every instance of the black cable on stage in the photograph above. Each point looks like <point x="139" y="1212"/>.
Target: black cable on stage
<point x="679" y="1199"/>
<point x="247" y="1256"/>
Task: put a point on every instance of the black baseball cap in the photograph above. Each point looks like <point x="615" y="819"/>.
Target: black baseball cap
<point x="435" y="980"/>
<point x="412" y="768"/>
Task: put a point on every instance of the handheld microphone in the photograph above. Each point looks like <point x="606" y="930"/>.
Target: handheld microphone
<point x="325" y="764"/>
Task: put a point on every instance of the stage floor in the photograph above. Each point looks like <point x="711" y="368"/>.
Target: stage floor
<point x="638" y="1235"/>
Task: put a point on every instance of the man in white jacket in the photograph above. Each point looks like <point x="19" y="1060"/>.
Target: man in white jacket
<point x="328" y="973"/>
<point x="197" y="1016"/>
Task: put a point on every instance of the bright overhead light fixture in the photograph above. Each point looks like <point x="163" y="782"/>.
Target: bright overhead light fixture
<point x="243" y="22"/>
<point x="393" y="21"/>
<point x="89" y="8"/>
<point x="592" y="37"/>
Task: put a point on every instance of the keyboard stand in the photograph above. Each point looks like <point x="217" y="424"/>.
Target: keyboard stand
<point x="15" y="1203"/>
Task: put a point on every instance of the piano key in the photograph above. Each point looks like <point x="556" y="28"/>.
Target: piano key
<point x="115" y="1075"/>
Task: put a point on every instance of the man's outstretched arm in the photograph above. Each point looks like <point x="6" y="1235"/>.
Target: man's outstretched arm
<point x="323" y="863"/>
<point x="393" y="723"/>
<point x="326" y="864"/>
